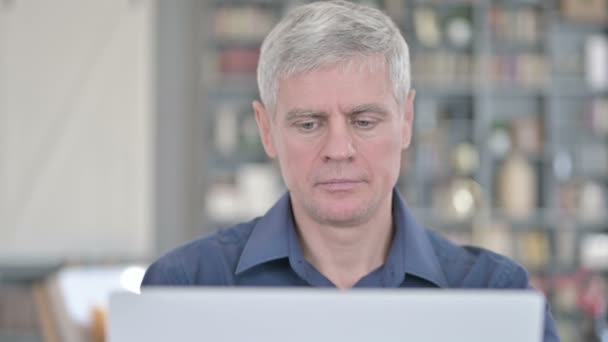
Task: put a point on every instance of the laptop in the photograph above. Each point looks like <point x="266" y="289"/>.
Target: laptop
<point x="296" y="314"/>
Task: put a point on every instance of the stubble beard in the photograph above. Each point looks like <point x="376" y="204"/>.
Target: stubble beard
<point x="349" y="217"/>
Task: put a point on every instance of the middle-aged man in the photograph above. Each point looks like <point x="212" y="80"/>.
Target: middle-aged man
<point x="336" y="113"/>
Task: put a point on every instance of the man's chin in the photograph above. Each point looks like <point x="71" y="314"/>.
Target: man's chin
<point x="345" y="217"/>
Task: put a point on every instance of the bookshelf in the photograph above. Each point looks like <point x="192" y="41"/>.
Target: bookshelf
<point x="510" y="147"/>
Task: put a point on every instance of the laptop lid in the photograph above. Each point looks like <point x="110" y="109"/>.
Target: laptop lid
<point x="295" y="314"/>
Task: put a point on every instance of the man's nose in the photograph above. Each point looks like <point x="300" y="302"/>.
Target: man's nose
<point x="339" y="144"/>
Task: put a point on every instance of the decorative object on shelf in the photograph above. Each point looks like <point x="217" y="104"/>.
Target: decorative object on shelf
<point x="599" y="116"/>
<point x="596" y="62"/>
<point x="566" y="292"/>
<point x="499" y="142"/>
<point x="593" y="296"/>
<point x="524" y="69"/>
<point x="583" y="200"/>
<point x="239" y="60"/>
<point x="243" y="23"/>
<point x="535" y="250"/>
<point x="465" y="159"/>
<point x="562" y="165"/>
<point x="517" y="186"/>
<point x="427" y="28"/>
<point x="515" y="26"/>
<point x="459" y="31"/>
<point x="459" y="199"/>
<point x="526" y="133"/>
<point x="594" y="251"/>
<point x="443" y="68"/>
<point x="457" y="22"/>
<point x="585" y="10"/>
<point x="592" y="203"/>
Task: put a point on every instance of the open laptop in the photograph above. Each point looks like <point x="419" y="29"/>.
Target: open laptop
<point x="295" y="314"/>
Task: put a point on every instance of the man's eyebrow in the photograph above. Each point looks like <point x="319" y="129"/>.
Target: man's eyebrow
<point x="298" y="113"/>
<point x="369" y="108"/>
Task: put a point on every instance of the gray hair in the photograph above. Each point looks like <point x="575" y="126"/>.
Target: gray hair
<point x="330" y="33"/>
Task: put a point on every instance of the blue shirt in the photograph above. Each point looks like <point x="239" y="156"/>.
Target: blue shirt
<point x="267" y="252"/>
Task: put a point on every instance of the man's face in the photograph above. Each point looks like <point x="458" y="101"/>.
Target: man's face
<point x="338" y="134"/>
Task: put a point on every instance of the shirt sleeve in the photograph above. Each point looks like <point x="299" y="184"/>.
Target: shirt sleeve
<point x="165" y="272"/>
<point x="519" y="279"/>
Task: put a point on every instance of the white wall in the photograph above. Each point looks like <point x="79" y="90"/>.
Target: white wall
<point x="75" y="128"/>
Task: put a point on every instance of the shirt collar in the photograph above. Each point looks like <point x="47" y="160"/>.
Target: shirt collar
<point x="269" y="239"/>
<point x="411" y="251"/>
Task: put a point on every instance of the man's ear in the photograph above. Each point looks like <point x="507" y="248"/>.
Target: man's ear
<point x="262" y="117"/>
<point x="408" y="119"/>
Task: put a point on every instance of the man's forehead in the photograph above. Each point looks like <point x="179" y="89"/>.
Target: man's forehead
<point x="362" y="64"/>
<point x="373" y="64"/>
<point x="292" y="90"/>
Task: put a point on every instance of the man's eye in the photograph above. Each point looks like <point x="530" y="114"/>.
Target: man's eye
<point x="363" y="123"/>
<point x="308" y="126"/>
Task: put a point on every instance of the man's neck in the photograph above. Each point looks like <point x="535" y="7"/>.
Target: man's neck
<point x="346" y="254"/>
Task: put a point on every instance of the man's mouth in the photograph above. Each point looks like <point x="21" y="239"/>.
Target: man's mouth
<point x="339" y="184"/>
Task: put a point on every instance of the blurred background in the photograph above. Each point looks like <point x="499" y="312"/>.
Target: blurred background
<point x="126" y="129"/>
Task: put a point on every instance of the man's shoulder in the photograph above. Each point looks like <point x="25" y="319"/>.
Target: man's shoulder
<point x="476" y="267"/>
<point x="207" y="260"/>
